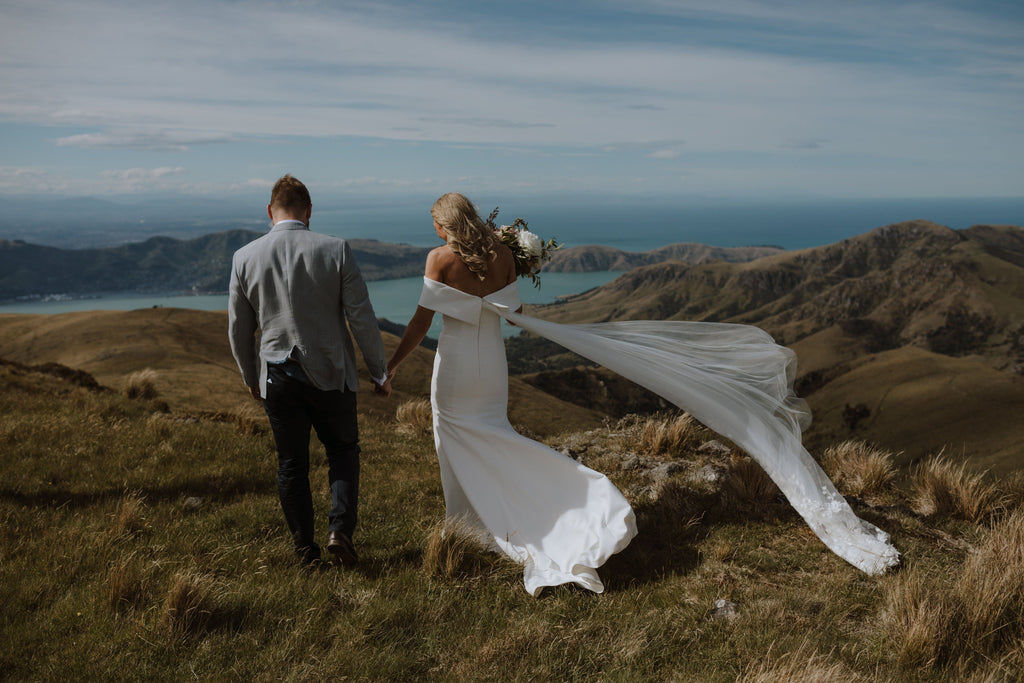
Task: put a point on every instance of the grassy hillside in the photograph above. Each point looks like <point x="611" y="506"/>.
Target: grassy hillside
<point x="949" y="302"/>
<point x="138" y="542"/>
<point x="189" y="353"/>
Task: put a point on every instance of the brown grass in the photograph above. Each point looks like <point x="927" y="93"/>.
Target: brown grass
<point x="415" y="416"/>
<point x="748" y="483"/>
<point x="669" y="436"/>
<point x="975" y="618"/>
<point x="130" y="517"/>
<point x="190" y="603"/>
<point x="141" y="384"/>
<point x="859" y="469"/>
<point x="803" y="665"/>
<point x="455" y="548"/>
<point x="126" y="582"/>
<point x="916" y="618"/>
<point x="942" y="487"/>
<point x="990" y="592"/>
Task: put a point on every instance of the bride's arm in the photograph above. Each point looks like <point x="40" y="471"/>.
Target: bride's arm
<point x="415" y="331"/>
<point x="419" y="325"/>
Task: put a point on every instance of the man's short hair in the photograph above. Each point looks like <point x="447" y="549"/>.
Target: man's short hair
<point x="290" y="195"/>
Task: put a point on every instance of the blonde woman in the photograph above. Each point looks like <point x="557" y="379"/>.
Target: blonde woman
<point x="558" y="518"/>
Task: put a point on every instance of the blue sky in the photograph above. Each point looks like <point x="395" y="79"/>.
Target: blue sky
<point x="636" y="98"/>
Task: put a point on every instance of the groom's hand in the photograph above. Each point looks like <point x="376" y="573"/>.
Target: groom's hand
<point x="255" y="393"/>
<point x="383" y="389"/>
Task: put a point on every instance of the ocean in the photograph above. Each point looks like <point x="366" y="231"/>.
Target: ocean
<point x="632" y="226"/>
<point x="637" y="226"/>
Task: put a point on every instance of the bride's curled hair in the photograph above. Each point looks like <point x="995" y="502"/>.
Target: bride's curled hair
<point x="468" y="236"/>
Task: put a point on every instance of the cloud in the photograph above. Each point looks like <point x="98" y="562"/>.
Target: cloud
<point x="29" y="180"/>
<point x="804" y="143"/>
<point x="937" y="82"/>
<point x="140" y="179"/>
<point x="174" y="141"/>
<point x="664" y="154"/>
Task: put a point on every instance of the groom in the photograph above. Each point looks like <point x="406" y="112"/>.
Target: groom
<point x="298" y="289"/>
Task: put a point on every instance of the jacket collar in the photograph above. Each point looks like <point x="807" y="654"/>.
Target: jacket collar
<point x="289" y="225"/>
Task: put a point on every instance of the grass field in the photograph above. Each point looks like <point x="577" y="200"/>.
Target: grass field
<point x="138" y="542"/>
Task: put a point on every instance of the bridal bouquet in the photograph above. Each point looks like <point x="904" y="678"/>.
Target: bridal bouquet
<point x="529" y="250"/>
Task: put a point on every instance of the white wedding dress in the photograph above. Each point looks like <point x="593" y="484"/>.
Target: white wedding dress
<point x="562" y="520"/>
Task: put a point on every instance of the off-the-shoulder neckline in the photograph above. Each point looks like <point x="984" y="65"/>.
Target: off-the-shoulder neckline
<point x="475" y="296"/>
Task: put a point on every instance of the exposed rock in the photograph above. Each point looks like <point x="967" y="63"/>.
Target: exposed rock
<point x="724" y="610"/>
<point x="714" y="447"/>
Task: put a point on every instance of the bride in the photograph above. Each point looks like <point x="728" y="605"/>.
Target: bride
<point x="558" y="518"/>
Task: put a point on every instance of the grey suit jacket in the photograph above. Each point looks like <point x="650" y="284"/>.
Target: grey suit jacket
<point x="298" y="288"/>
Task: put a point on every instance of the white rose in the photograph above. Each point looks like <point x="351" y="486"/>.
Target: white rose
<point x="530" y="243"/>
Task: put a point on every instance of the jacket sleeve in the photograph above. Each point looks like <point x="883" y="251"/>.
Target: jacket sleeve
<point x="362" y="321"/>
<point x="242" y="325"/>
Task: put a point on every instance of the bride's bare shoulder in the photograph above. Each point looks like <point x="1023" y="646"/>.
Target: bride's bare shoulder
<point x="439" y="260"/>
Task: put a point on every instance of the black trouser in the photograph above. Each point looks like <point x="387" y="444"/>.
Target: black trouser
<point x="294" y="406"/>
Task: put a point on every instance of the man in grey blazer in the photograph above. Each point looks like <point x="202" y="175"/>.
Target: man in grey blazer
<point x="298" y="289"/>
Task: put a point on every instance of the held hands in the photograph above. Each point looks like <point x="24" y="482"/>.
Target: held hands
<point x="383" y="389"/>
<point x="255" y="393"/>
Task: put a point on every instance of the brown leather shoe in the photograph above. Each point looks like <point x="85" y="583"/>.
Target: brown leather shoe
<point x="340" y="546"/>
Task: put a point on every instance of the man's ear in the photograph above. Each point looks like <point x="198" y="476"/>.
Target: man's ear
<point x="270" y="213"/>
<point x="309" y="212"/>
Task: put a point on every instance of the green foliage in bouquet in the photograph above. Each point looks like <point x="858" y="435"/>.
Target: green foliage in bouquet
<point x="529" y="250"/>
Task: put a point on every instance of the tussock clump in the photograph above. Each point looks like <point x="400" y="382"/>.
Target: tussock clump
<point x="415" y="416"/>
<point x="990" y="592"/>
<point x="126" y="582"/>
<point x="141" y="385"/>
<point x="671" y="436"/>
<point x="1012" y="489"/>
<point x="190" y="603"/>
<point x="916" y="618"/>
<point x="859" y="469"/>
<point x="748" y="483"/>
<point x="130" y="517"/>
<point x="942" y="487"/>
<point x="973" y="619"/>
<point x="454" y="548"/>
<point x="250" y="419"/>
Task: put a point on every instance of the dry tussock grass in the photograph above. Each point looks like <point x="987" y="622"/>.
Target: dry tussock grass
<point x="141" y="384"/>
<point x="916" y="619"/>
<point x="975" y="618"/>
<point x="1012" y="489"/>
<point x="415" y="417"/>
<point x="190" y="603"/>
<point x="455" y="548"/>
<point x="126" y="582"/>
<point x="130" y="517"/>
<point x="990" y="592"/>
<point x="669" y="436"/>
<point x="803" y="665"/>
<point x="748" y="483"/>
<point x="944" y="487"/>
<point x="859" y="469"/>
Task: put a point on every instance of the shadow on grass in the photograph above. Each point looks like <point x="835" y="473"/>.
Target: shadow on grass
<point x="216" y="489"/>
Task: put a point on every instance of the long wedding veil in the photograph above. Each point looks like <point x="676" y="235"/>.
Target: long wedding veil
<point x="738" y="382"/>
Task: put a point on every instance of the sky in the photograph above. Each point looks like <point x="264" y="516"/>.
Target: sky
<point x="127" y="99"/>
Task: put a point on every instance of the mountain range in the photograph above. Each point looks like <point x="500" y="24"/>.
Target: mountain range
<point x="202" y="265"/>
<point x="165" y="264"/>
<point x="910" y="335"/>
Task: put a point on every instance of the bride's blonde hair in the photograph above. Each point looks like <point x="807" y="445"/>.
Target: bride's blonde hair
<point x="468" y="236"/>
